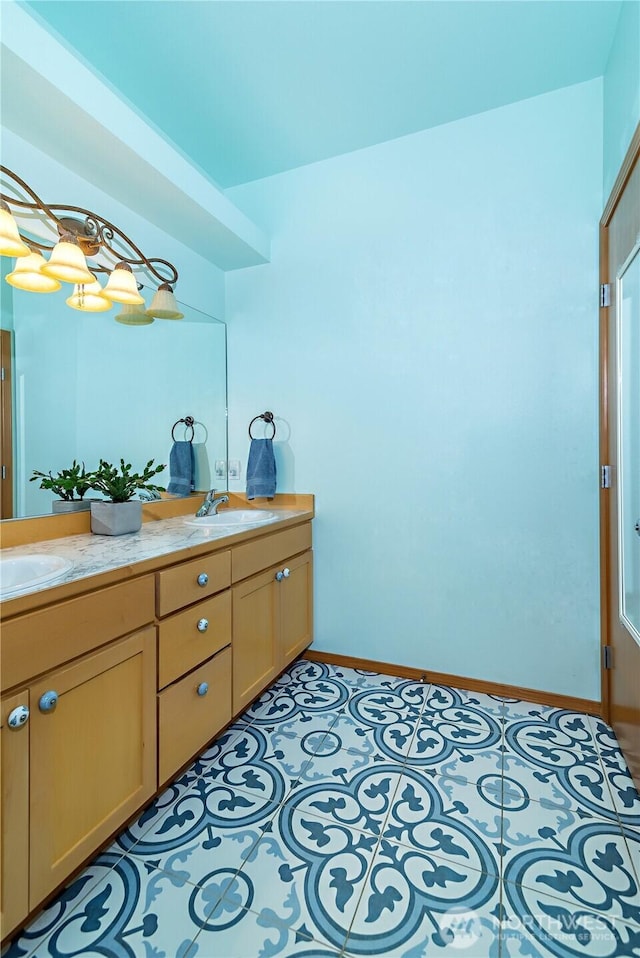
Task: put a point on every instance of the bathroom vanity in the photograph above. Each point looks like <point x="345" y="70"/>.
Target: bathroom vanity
<point x="129" y="666"/>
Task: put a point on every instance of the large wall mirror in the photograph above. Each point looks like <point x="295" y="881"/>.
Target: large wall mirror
<point x="86" y="387"/>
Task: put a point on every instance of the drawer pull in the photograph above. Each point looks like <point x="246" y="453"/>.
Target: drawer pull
<point x="286" y="573"/>
<point x="279" y="576"/>
<point x="203" y="625"/>
<point x="203" y="688"/>
<point x="48" y="701"/>
<point x="18" y="717"/>
<point x="203" y="578"/>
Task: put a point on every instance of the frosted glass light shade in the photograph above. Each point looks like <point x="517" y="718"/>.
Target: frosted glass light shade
<point x="67" y="263"/>
<point x="122" y="286"/>
<point x="89" y="298"/>
<point x="134" y="316"/>
<point x="10" y="241"/>
<point x="27" y="274"/>
<point x="164" y="304"/>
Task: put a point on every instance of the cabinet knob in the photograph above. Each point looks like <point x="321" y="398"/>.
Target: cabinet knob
<point x="203" y="688"/>
<point x="18" y="717"/>
<point x="48" y="701"/>
<point x="203" y="578"/>
<point x="279" y="576"/>
<point x="203" y="625"/>
<point x="286" y="573"/>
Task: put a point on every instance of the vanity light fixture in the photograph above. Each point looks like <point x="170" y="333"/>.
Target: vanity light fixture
<point x="164" y="304"/>
<point x="67" y="262"/>
<point x="89" y="298"/>
<point x="10" y="242"/>
<point x="122" y="287"/>
<point x="74" y="238"/>
<point x="134" y="316"/>
<point x="27" y="274"/>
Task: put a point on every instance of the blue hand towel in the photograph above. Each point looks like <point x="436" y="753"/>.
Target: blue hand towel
<point x="261" y="469"/>
<point x="181" y="469"/>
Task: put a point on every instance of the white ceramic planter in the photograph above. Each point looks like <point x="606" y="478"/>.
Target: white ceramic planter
<point x="116" y="518"/>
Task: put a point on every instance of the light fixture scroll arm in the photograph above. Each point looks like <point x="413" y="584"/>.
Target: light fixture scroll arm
<point x="105" y="232"/>
<point x="98" y="229"/>
<point x="37" y="203"/>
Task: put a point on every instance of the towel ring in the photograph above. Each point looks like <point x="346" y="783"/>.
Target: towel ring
<point x="188" y="424"/>
<point x="266" y="417"/>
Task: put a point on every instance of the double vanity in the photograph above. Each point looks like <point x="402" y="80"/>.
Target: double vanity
<point x="121" y="669"/>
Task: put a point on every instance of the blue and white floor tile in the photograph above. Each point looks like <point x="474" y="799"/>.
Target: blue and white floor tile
<point x="233" y="931"/>
<point x="409" y="899"/>
<point x="349" y="814"/>
<point x="625" y="797"/>
<point x="538" y="926"/>
<point x="447" y="819"/>
<point x="307" y="873"/>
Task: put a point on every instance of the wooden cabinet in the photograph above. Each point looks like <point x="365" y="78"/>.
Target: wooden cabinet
<point x="192" y="581"/>
<point x="14" y="823"/>
<point x="296" y="608"/>
<point x="83" y="762"/>
<point x="124" y="685"/>
<point x="194" y="658"/>
<point x="192" y="711"/>
<point x="92" y="756"/>
<point x="272" y="624"/>
<point x="40" y="641"/>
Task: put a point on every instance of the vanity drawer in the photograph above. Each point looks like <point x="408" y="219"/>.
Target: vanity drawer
<point x="184" y="641"/>
<point x="192" y="581"/>
<point x="39" y="641"/>
<point x="188" y="720"/>
<point x="255" y="556"/>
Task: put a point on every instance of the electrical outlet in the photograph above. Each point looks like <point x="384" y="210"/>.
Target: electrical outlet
<point x="221" y="468"/>
<point x="234" y="469"/>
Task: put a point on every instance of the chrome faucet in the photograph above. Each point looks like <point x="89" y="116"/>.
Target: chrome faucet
<point x="210" y="505"/>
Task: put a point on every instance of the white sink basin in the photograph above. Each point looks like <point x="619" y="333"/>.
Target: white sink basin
<point x="232" y="519"/>
<point x="26" y="572"/>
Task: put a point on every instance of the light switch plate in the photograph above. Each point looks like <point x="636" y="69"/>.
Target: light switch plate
<point x="221" y="468"/>
<point x="234" y="469"/>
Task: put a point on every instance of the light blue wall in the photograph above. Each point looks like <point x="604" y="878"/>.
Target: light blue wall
<point x="426" y="335"/>
<point x="621" y="92"/>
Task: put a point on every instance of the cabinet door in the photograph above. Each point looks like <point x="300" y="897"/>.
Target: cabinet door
<point x="255" y="637"/>
<point x="93" y="756"/>
<point x="14" y="832"/>
<point x="296" y="608"/>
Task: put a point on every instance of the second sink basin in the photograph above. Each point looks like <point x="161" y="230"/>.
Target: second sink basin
<point x="26" y="572"/>
<point x="232" y="518"/>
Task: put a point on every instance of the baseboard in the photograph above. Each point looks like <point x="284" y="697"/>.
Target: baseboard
<point x="568" y="702"/>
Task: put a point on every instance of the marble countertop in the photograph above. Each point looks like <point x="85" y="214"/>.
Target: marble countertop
<point x="94" y="554"/>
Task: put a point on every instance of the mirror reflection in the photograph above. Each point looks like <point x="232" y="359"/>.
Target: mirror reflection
<point x="87" y="388"/>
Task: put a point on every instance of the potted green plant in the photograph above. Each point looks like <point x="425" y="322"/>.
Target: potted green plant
<point x="70" y="485"/>
<point x="120" y="513"/>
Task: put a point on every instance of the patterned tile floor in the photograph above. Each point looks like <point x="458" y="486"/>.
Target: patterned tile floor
<point x="348" y="813"/>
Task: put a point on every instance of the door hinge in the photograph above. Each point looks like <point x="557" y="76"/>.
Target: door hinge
<point x="605" y="477"/>
<point x="607" y="657"/>
<point x="605" y="295"/>
<point x="2" y="374"/>
<point x="4" y="472"/>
